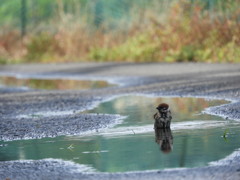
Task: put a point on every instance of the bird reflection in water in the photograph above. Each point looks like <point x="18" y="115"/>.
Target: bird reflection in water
<point x="164" y="138"/>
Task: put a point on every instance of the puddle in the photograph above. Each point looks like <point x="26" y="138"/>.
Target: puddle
<point x="195" y="139"/>
<point x="140" y="109"/>
<point x="53" y="84"/>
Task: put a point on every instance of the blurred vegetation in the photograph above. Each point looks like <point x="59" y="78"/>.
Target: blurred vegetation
<point x="120" y="30"/>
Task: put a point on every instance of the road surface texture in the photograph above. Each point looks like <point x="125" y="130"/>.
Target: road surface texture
<point x="21" y="111"/>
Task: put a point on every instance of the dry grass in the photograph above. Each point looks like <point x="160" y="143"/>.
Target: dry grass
<point x="182" y="32"/>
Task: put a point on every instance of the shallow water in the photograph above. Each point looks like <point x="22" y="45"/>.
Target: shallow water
<point x="52" y="84"/>
<point x="195" y="139"/>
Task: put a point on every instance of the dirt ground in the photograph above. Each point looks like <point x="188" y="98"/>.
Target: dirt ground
<point x="219" y="81"/>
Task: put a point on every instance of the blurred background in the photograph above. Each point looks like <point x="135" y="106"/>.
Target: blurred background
<point x="43" y="31"/>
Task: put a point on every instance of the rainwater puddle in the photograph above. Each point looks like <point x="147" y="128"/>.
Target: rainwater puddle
<point x="194" y="140"/>
<point x="53" y="84"/>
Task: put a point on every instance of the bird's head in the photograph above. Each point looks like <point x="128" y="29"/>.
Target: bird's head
<point x="163" y="107"/>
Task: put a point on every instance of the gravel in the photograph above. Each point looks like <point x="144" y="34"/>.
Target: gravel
<point x="24" y="114"/>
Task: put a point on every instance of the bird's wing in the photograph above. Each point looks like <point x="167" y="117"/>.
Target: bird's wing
<point x="156" y="116"/>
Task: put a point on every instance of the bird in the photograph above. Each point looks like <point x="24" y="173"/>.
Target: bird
<point x="163" y="117"/>
<point x="164" y="138"/>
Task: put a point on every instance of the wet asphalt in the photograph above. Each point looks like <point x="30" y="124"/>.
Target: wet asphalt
<point x="21" y="111"/>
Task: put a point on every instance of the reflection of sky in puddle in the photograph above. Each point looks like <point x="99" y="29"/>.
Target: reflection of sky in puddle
<point x="51" y="84"/>
<point x="193" y="147"/>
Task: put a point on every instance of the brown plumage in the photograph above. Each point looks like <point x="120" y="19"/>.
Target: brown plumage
<point x="162" y="117"/>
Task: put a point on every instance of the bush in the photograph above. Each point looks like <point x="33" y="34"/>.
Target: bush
<point x="158" y="31"/>
<point x="42" y="48"/>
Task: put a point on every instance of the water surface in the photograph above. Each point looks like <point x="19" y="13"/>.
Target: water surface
<point x="52" y="84"/>
<point x="138" y="150"/>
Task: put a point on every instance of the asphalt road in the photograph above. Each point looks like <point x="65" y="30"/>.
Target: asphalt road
<point x="220" y="81"/>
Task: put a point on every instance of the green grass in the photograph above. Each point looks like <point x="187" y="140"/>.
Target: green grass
<point x="157" y="31"/>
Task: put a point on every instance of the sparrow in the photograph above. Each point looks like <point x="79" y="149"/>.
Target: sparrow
<point x="164" y="138"/>
<point x="163" y="117"/>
